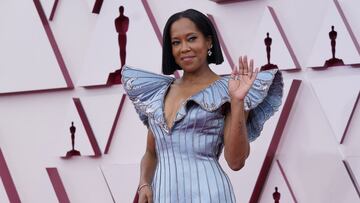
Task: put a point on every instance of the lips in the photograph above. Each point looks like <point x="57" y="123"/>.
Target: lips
<point x="187" y="58"/>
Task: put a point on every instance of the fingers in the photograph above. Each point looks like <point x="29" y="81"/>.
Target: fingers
<point x="241" y="66"/>
<point x="246" y="68"/>
<point x="250" y="73"/>
<point x="254" y="74"/>
<point x="234" y="73"/>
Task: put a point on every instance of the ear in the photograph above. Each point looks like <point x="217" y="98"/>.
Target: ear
<point x="209" y="42"/>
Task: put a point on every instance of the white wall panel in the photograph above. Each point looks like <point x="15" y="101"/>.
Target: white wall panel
<point x="84" y="183"/>
<point x="3" y="196"/>
<point x="329" y="87"/>
<point x="123" y="180"/>
<point x="142" y="49"/>
<point x="34" y="126"/>
<point x="280" y="54"/>
<point x="345" y="47"/>
<point x="276" y="179"/>
<point x="28" y="61"/>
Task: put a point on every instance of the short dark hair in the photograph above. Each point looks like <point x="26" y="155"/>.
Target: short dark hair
<point x="206" y="28"/>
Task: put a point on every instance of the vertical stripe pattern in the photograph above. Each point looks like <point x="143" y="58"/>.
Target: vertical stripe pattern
<point x="188" y="169"/>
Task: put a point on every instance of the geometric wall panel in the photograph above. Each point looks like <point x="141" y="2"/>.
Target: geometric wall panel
<point x="3" y="196"/>
<point x="354" y="171"/>
<point x="82" y="142"/>
<point x="101" y="111"/>
<point x="276" y="179"/>
<point x="281" y="52"/>
<point x="103" y="53"/>
<point x="345" y="47"/>
<point x="28" y="61"/>
<point x="91" y="4"/>
<point x="9" y="187"/>
<point x="85" y="121"/>
<point x="129" y="142"/>
<point x="95" y="119"/>
<point x="329" y="90"/>
<point x="310" y="154"/>
<point x="350" y="145"/>
<point x="83" y="183"/>
<point x="58" y="185"/>
<point x="276" y="139"/>
<point x="72" y="26"/>
<point x="319" y="174"/>
<point x="34" y="126"/>
<point x="47" y="6"/>
<point x="350" y="13"/>
<point x="122" y="180"/>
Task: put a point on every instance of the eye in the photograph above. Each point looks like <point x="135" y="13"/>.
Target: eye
<point x="192" y="38"/>
<point x="174" y="43"/>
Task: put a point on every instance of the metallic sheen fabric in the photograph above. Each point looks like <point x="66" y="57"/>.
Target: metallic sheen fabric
<point x="188" y="169"/>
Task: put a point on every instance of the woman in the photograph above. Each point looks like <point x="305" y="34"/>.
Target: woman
<point x="192" y="119"/>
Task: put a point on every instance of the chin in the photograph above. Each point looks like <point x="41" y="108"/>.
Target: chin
<point x="189" y="68"/>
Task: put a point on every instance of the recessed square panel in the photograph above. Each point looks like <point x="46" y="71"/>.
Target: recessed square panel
<point x="354" y="170"/>
<point x="47" y="6"/>
<point x="275" y="179"/>
<point x="3" y="196"/>
<point x="336" y="90"/>
<point x="142" y="47"/>
<point x="349" y="8"/>
<point x="28" y="61"/>
<point x="129" y="140"/>
<point x="82" y="142"/>
<point x="123" y="180"/>
<point x="281" y="53"/>
<point x="101" y="112"/>
<point x="351" y="141"/>
<point x="84" y="182"/>
<point x="345" y="48"/>
<point x="310" y="155"/>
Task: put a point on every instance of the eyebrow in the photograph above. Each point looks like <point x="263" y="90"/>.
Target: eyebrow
<point x="191" y="33"/>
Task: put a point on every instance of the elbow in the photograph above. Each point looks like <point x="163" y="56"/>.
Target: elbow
<point x="238" y="162"/>
<point x="236" y="166"/>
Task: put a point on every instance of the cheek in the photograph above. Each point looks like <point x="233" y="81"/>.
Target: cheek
<point x="174" y="52"/>
<point x="176" y="55"/>
<point x="202" y="51"/>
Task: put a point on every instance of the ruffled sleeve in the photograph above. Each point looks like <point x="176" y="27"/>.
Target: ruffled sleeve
<point x="143" y="88"/>
<point x="263" y="100"/>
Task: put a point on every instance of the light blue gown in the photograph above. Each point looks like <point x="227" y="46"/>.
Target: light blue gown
<point x="188" y="169"/>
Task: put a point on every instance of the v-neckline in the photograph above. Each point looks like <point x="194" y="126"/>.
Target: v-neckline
<point x="166" y="91"/>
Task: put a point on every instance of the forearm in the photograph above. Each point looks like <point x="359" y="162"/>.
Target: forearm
<point x="237" y="144"/>
<point x="147" y="168"/>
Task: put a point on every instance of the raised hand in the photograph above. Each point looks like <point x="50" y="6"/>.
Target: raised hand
<point x="242" y="78"/>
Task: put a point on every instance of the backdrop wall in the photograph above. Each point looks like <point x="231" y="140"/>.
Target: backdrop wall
<point x="54" y="72"/>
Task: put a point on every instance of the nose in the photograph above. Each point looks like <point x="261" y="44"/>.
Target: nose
<point x="185" y="47"/>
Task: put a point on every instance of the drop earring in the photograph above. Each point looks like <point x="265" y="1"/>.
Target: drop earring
<point x="209" y="51"/>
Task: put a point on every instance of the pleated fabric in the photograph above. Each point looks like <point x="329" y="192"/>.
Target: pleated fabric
<point x="188" y="169"/>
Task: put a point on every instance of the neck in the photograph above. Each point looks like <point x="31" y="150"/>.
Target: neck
<point x="201" y="76"/>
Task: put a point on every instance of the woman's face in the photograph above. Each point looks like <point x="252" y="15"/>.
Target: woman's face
<point x="189" y="45"/>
